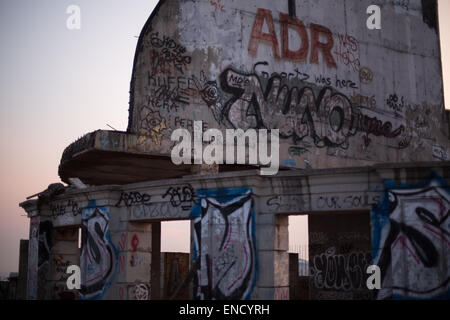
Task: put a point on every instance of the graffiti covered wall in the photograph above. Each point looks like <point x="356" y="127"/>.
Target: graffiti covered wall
<point x="98" y="259"/>
<point x="340" y="94"/>
<point x="411" y="240"/>
<point x="224" y="241"/>
<point x="339" y="251"/>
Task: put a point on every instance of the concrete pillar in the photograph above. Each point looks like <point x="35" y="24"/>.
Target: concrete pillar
<point x="45" y="247"/>
<point x="23" y="270"/>
<point x="65" y="252"/>
<point x="133" y="278"/>
<point x="33" y="246"/>
<point x="293" y="275"/>
<point x="156" y="261"/>
<point x="273" y="257"/>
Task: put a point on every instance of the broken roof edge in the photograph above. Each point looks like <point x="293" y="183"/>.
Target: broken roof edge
<point x="121" y="141"/>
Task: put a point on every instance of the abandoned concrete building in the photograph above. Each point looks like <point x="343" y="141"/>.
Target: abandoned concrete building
<point x="363" y="151"/>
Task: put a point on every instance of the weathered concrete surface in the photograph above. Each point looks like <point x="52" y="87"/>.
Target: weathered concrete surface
<point x="339" y="254"/>
<point x="410" y="239"/>
<point x="247" y="64"/>
<point x="213" y="202"/>
<point x="112" y="157"/>
<point x="64" y="252"/>
<point x="347" y="101"/>
<point x="340" y="94"/>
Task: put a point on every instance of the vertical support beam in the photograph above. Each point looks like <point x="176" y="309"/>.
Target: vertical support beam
<point x="45" y="247"/>
<point x="272" y="243"/>
<point x="156" y="261"/>
<point x="23" y="270"/>
<point x="64" y="253"/>
<point x="134" y="245"/>
<point x="293" y="275"/>
<point x="194" y="255"/>
<point x="33" y="247"/>
<point x="224" y="222"/>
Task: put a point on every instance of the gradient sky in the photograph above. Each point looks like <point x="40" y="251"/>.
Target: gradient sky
<point x="58" y="84"/>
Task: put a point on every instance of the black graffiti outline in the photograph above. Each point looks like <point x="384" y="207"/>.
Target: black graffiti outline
<point x="87" y="240"/>
<point x="183" y="196"/>
<point x="340" y="271"/>
<point x="215" y="292"/>
<point x="423" y="247"/>
<point x="310" y="113"/>
<point x="60" y="209"/>
<point x="171" y="54"/>
<point x="133" y="198"/>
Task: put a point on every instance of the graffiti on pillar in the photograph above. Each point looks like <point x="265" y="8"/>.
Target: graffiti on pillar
<point x="98" y="253"/>
<point x="141" y="292"/>
<point x="45" y="242"/>
<point x="138" y="291"/>
<point x="411" y="240"/>
<point x="33" y="258"/>
<point x="45" y="248"/>
<point x="224" y="242"/>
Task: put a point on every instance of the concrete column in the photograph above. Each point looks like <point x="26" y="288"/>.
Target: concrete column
<point x="133" y="278"/>
<point x="65" y="252"/>
<point x="23" y="270"/>
<point x="156" y="261"/>
<point x="273" y="257"/>
<point x="33" y="246"/>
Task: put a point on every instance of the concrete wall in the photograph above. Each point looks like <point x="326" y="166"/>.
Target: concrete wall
<point x="23" y="270"/>
<point x="63" y="253"/>
<point x="340" y="94"/>
<point x="240" y="229"/>
<point x="340" y="252"/>
<point x="411" y="240"/>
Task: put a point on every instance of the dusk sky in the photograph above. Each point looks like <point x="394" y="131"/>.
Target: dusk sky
<point x="58" y="84"/>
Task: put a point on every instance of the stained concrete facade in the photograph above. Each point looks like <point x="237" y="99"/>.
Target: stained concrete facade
<point x="363" y="133"/>
<point x="268" y="205"/>
<point x="340" y="94"/>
